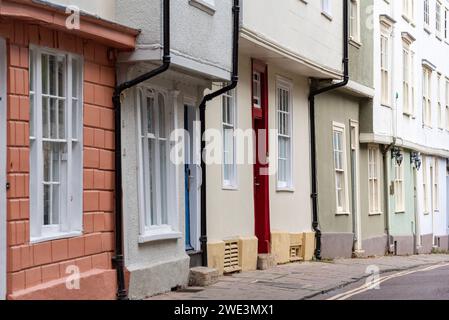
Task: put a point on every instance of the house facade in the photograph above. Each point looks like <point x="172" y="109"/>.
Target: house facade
<point x="259" y="197"/>
<point x="57" y="70"/>
<point x="162" y="197"/>
<point x="409" y="120"/>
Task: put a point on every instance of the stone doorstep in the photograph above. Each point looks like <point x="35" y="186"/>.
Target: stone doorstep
<point x="203" y="277"/>
<point x="266" y="261"/>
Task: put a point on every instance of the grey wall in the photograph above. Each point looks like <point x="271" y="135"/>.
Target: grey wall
<point x="372" y="225"/>
<point x="200" y="41"/>
<point x="340" y="108"/>
<point x="361" y="59"/>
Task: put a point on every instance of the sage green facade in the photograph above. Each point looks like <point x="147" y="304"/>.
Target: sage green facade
<point x="344" y="106"/>
<point x="402" y="222"/>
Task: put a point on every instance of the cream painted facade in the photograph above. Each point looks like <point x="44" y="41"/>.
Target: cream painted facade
<point x="292" y="53"/>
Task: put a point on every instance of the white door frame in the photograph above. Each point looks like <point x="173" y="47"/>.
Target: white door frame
<point x="195" y="167"/>
<point x="2" y="169"/>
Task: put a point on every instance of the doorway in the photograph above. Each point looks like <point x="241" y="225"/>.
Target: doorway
<point x="192" y="183"/>
<point x="432" y="203"/>
<point x="2" y="169"/>
<point x="261" y="167"/>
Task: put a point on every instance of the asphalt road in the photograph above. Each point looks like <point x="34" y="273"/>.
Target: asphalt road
<point x="424" y="283"/>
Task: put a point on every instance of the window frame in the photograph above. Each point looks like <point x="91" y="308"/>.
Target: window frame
<point x="326" y="8"/>
<point x="385" y="62"/>
<point x="231" y="183"/>
<point x="70" y="223"/>
<point x="374" y="181"/>
<point x="399" y="184"/>
<point x="287" y="86"/>
<point x="354" y="29"/>
<point x="344" y="209"/>
<point x="425" y="182"/>
<point x="149" y="232"/>
<point x="436" y="185"/>
<point x="426" y="14"/>
<point x="427" y="96"/>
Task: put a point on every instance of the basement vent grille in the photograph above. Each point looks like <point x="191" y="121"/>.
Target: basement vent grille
<point x="295" y="253"/>
<point x="231" y="257"/>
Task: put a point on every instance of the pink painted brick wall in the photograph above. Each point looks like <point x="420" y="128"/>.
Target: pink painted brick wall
<point x="31" y="265"/>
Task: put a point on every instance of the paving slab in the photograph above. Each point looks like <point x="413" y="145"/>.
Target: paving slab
<point x="299" y="281"/>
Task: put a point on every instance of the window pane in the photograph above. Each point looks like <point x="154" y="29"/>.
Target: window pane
<point x="150" y="115"/>
<point x="55" y="205"/>
<point x="151" y="207"/>
<point x="52" y="65"/>
<point x="164" y="175"/>
<point x="74" y="119"/>
<point x="46" y="205"/>
<point x="44" y="74"/>
<point x="162" y="129"/>
<point x="53" y="119"/>
<point x="75" y="83"/>
<point x="61" y="76"/>
<point x="61" y="119"/>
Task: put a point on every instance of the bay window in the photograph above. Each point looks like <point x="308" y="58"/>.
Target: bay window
<point x="56" y="121"/>
<point x="156" y="172"/>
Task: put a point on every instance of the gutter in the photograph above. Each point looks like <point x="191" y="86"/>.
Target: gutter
<point x="118" y="259"/>
<point x="312" y="95"/>
<point x="202" y="107"/>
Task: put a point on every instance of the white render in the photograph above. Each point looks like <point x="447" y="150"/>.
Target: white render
<point x="100" y="8"/>
<point x="391" y="124"/>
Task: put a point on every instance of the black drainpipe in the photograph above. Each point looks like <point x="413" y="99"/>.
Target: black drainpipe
<point x="202" y="107"/>
<point x="312" y="95"/>
<point x="118" y="259"/>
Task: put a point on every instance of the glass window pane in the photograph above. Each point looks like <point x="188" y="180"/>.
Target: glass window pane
<point x="52" y="65"/>
<point x="61" y="119"/>
<point x="75" y="83"/>
<point x="45" y="74"/>
<point x="56" y="155"/>
<point x="47" y="161"/>
<point x="61" y="76"/>
<point x="53" y="119"/>
<point x="164" y="175"/>
<point x="150" y="115"/>
<point x="55" y="205"/>
<point x="46" y="205"/>
<point x="162" y="129"/>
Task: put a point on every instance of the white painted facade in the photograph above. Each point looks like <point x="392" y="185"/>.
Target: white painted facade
<point x="155" y="204"/>
<point x="392" y="123"/>
<point x="100" y="8"/>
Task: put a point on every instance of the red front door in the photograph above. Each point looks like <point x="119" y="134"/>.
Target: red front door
<point x="261" y="178"/>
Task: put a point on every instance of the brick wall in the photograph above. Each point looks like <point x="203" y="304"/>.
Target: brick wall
<point x="31" y="265"/>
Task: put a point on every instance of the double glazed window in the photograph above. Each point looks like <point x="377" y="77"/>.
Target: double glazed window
<point x="229" y="141"/>
<point x="341" y="178"/>
<point x="56" y="143"/>
<point x="284" y="126"/>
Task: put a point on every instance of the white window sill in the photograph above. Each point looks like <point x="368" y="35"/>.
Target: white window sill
<point x="427" y="29"/>
<point x="373" y="214"/>
<point x="203" y="5"/>
<point x="328" y="16"/>
<point x="400" y="211"/>
<point x="161" y="236"/>
<point x="343" y="213"/>
<point x="229" y="188"/>
<point x="56" y="236"/>
<point x="355" y="43"/>
<point x="285" y="189"/>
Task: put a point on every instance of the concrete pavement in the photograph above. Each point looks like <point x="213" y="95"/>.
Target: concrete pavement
<point x="299" y="281"/>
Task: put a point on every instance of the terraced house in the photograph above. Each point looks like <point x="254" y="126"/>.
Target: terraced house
<point x="328" y="121"/>
<point x="409" y="121"/>
<point x="57" y="148"/>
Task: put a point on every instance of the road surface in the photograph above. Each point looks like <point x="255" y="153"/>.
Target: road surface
<point x="423" y="283"/>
